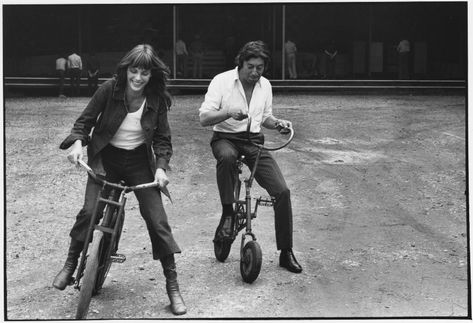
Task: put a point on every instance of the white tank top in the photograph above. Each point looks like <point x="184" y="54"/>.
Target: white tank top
<point x="130" y="134"/>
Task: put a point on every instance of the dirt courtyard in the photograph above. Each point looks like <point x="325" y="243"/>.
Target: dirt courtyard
<point x="378" y="187"/>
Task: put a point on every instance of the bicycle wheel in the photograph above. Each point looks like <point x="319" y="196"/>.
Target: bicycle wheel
<point x="104" y="264"/>
<point x="90" y="276"/>
<point x="250" y="262"/>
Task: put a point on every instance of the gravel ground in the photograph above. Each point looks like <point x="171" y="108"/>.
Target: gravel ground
<point x="378" y="189"/>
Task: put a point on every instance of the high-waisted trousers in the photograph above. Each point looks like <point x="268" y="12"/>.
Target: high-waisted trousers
<point x="132" y="167"/>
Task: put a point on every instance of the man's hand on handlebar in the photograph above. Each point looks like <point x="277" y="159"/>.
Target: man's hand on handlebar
<point x="76" y="153"/>
<point x="283" y="125"/>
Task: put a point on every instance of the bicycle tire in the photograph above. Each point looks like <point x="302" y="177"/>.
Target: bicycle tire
<point x="90" y="275"/>
<point x="104" y="266"/>
<point x="250" y="262"/>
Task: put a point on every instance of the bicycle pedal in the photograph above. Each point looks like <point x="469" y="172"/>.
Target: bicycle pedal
<point x="266" y="201"/>
<point x="118" y="258"/>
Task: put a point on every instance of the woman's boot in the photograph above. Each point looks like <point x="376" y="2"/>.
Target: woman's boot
<point x="64" y="277"/>
<point x="177" y="303"/>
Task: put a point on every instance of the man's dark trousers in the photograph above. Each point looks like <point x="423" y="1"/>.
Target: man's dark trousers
<point x="226" y="148"/>
<point x="74" y="74"/>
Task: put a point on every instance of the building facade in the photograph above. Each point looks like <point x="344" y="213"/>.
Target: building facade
<point x="365" y="35"/>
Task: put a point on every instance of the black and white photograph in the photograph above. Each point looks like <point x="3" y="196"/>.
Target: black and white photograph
<point x="299" y="160"/>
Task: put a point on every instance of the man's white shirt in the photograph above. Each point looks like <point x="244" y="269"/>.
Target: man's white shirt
<point x="226" y="92"/>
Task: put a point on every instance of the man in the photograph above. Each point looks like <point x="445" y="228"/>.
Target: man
<point x="231" y="97"/>
<point x="403" y="49"/>
<point x="197" y="51"/>
<point x="61" y="71"/>
<point x="291" y="50"/>
<point x="330" y="54"/>
<point x="181" y="57"/>
<point x="93" y="69"/>
<point x="74" y="65"/>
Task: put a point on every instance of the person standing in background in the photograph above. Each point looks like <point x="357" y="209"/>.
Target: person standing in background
<point x="403" y="49"/>
<point x="74" y="65"/>
<point x="291" y="50"/>
<point x="181" y="58"/>
<point x="330" y="60"/>
<point x="61" y="64"/>
<point x="197" y="51"/>
<point x="93" y="68"/>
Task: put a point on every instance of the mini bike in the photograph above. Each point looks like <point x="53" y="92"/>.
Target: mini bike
<point x="100" y="249"/>
<point x="250" y="252"/>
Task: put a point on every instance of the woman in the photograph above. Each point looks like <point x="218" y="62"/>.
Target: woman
<point x="131" y="141"/>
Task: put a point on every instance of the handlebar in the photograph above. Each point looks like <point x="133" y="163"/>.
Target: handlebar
<point x="116" y="185"/>
<point x="282" y="130"/>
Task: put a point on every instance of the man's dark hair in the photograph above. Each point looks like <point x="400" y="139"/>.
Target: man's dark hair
<point x="253" y="49"/>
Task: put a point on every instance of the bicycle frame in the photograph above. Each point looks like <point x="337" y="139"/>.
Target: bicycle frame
<point x="107" y="225"/>
<point x="116" y="199"/>
<point x="248" y="185"/>
<point x="101" y="244"/>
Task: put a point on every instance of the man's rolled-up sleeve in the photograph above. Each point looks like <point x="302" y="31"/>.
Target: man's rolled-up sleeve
<point x="268" y="104"/>
<point x="213" y="98"/>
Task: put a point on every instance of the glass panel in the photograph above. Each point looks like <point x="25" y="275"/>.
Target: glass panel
<point x="213" y="34"/>
<point x="118" y="28"/>
<point x="436" y="32"/>
<point x="431" y="28"/>
<point x="318" y="29"/>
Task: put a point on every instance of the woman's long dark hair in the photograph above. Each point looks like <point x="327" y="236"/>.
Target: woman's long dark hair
<point x="144" y="56"/>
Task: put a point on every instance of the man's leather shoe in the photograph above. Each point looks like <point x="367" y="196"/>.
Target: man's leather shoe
<point x="288" y="261"/>
<point x="224" y="229"/>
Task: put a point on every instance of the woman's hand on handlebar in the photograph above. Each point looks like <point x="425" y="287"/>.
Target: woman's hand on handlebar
<point x="76" y="153"/>
<point x="161" y="178"/>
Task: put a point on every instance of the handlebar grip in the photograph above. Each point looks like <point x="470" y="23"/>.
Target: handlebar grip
<point x="126" y="188"/>
<point x="283" y="130"/>
<point x="84" y="164"/>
